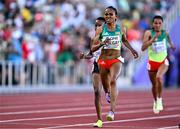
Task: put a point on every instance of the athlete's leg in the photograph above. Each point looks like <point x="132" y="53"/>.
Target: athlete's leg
<point x="152" y="76"/>
<point x="114" y="74"/>
<point x="107" y="91"/>
<point x="159" y="78"/>
<point x="159" y="84"/>
<point x="97" y="93"/>
<point x="104" y="73"/>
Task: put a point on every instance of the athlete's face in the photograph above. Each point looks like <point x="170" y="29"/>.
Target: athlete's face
<point x="98" y="23"/>
<point x="157" y="24"/>
<point x="109" y="16"/>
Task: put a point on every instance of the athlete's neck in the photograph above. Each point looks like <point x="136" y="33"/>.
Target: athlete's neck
<point x="157" y="31"/>
<point x="111" y="26"/>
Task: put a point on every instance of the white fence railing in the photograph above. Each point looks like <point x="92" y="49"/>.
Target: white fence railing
<point x="41" y="74"/>
<point x="172" y="15"/>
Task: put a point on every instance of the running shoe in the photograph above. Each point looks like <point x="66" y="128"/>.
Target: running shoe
<point x="155" y="108"/>
<point x="110" y="116"/>
<point x="98" y="124"/>
<point x="108" y="99"/>
<point x="159" y="104"/>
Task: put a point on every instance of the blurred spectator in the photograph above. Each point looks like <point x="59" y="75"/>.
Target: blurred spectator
<point x="44" y="17"/>
<point x="55" y="31"/>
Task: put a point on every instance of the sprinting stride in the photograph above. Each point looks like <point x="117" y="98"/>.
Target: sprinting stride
<point x="156" y="41"/>
<point x="110" y="60"/>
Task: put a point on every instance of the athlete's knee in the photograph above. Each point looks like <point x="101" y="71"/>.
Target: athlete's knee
<point x="113" y="82"/>
<point x="96" y="91"/>
<point x="159" y="78"/>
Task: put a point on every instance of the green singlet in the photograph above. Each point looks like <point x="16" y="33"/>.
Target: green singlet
<point x="114" y="36"/>
<point x="158" y="50"/>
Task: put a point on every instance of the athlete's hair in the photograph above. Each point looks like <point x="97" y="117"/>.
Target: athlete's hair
<point x="114" y="9"/>
<point x="101" y="19"/>
<point x="158" y="17"/>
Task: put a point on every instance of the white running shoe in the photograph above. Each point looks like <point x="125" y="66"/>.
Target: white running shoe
<point x="155" y="108"/>
<point x="159" y="104"/>
<point x="110" y="116"/>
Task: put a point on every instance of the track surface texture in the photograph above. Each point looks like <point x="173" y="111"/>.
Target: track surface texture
<point x="76" y="110"/>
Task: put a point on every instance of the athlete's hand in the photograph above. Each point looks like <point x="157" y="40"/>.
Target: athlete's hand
<point x="155" y="37"/>
<point x="89" y="56"/>
<point x="81" y="56"/>
<point x="106" y="41"/>
<point x="135" y="54"/>
<point x="173" y="47"/>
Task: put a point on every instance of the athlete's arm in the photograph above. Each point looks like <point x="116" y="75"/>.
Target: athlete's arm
<point x="147" y="40"/>
<point x="89" y="55"/>
<point x="126" y="43"/>
<point x="170" y="42"/>
<point x="96" y="43"/>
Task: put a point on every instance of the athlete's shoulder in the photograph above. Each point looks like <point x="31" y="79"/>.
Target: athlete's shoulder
<point x="165" y="32"/>
<point x="118" y="27"/>
<point x="121" y="28"/>
<point x="104" y="26"/>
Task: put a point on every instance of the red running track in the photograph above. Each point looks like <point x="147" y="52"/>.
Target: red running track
<point x="77" y="111"/>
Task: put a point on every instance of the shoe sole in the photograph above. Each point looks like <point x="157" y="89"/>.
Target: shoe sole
<point x="95" y="126"/>
<point x="160" y="109"/>
<point x="156" y="111"/>
<point x="109" y="118"/>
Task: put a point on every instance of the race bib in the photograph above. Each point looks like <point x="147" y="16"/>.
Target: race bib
<point x="159" y="46"/>
<point x="114" y="42"/>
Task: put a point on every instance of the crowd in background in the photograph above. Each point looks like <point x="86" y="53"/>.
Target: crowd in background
<point x="56" y="31"/>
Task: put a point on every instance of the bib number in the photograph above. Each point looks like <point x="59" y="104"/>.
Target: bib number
<point x="114" y="42"/>
<point x="159" y="46"/>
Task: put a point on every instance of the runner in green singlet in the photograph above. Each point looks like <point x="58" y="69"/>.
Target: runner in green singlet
<point x="110" y="60"/>
<point x="157" y="41"/>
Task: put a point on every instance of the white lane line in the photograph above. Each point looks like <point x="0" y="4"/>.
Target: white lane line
<point x="119" y="121"/>
<point x="74" y="109"/>
<point x="169" y="127"/>
<point x="171" y="99"/>
<point x="83" y="115"/>
<point x="81" y="108"/>
<point x="45" y="105"/>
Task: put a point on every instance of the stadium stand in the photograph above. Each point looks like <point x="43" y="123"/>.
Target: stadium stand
<point x="40" y="40"/>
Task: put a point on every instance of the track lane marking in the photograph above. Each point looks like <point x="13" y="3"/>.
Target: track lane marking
<point x="169" y="127"/>
<point x="120" y="121"/>
<point x="83" y="115"/>
<point x="81" y="104"/>
<point x="82" y="108"/>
